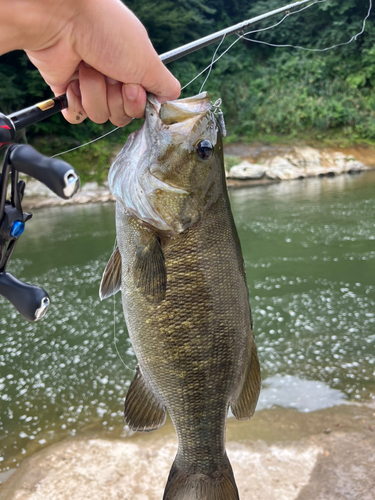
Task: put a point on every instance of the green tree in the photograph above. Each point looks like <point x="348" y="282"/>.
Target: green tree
<point x="267" y="91"/>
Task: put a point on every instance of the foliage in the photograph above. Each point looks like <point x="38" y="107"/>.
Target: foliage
<point x="266" y="91"/>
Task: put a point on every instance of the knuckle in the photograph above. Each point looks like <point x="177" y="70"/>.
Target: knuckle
<point x="98" y="117"/>
<point x="120" y="122"/>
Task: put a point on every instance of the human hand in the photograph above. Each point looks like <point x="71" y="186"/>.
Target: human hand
<point x="95" y="51"/>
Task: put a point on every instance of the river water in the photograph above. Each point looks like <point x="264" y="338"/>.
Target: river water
<point x="309" y="249"/>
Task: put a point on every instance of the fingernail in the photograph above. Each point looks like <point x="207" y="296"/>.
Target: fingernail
<point x="110" y="80"/>
<point x="131" y="91"/>
<point x="75" y="87"/>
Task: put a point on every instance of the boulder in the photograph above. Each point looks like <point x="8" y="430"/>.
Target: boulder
<point x="339" y="159"/>
<point x="353" y="166"/>
<point x="246" y="170"/>
<point x="38" y="189"/>
<point x="283" y="169"/>
<point x="304" y="157"/>
<point x="90" y="186"/>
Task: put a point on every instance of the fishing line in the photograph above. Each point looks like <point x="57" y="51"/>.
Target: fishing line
<point x="212" y="63"/>
<point x="86" y="144"/>
<point x="244" y="36"/>
<point x="311" y="49"/>
<point x="249" y="33"/>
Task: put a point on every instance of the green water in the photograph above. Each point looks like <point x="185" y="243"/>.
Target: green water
<point x="309" y="248"/>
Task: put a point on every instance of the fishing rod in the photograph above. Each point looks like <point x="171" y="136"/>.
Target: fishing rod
<point x="32" y="301"/>
<point x="10" y="124"/>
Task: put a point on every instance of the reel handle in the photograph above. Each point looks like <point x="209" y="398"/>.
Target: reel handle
<point x="56" y="174"/>
<point x="30" y="301"/>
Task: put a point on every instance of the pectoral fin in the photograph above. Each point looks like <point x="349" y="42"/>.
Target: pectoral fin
<point x="150" y="273"/>
<point x="244" y="406"/>
<point x="111" y="280"/>
<point x="143" y="412"/>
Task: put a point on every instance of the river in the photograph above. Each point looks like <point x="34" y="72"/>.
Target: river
<point x="309" y="249"/>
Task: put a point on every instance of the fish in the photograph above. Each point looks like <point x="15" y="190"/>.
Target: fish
<point x="179" y="266"/>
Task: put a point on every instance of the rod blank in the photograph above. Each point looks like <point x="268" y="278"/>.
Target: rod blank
<point x="174" y="54"/>
<point x="29" y="116"/>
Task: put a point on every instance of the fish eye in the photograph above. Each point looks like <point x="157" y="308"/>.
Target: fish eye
<point x="204" y="149"/>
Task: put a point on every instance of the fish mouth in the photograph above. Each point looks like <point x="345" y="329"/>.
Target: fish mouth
<point x="180" y="115"/>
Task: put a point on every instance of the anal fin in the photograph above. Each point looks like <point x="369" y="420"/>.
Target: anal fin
<point x="244" y="406"/>
<point x="143" y="412"/>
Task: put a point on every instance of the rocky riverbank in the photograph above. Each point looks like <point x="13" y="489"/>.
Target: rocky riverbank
<point x="278" y="455"/>
<point x="288" y="162"/>
<point x="245" y="166"/>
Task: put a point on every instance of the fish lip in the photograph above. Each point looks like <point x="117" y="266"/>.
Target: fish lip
<point x="184" y="109"/>
<point x="152" y="100"/>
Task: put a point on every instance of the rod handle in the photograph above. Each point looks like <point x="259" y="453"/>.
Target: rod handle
<point x="34" y="114"/>
<point x="7" y="130"/>
<point x="56" y="174"/>
<point x="30" y="301"/>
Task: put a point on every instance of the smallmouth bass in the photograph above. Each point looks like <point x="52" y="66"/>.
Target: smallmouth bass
<point x="180" y="269"/>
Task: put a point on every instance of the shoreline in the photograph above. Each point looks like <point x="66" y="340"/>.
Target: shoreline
<point x="93" y="193"/>
<point x="246" y="166"/>
<point x="101" y="194"/>
<point x="280" y="454"/>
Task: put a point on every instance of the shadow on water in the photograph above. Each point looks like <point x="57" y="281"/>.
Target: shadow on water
<point x="309" y="248"/>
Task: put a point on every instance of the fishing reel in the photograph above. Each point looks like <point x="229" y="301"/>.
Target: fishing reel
<point x="30" y="301"/>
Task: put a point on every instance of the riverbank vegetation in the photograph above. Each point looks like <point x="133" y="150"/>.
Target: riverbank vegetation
<point x="269" y="94"/>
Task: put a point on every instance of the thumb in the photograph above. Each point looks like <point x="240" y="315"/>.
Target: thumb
<point x="159" y="81"/>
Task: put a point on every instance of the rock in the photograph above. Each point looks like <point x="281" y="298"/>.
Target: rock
<point x="37" y="189"/>
<point x="353" y="166"/>
<point x="280" y="455"/>
<point x="246" y="170"/>
<point x="97" y="469"/>
<point x="305" y="157"/>
<point x="90" y="186"/>
<point x="339" y="159"/>
<point x="283" y="169"/>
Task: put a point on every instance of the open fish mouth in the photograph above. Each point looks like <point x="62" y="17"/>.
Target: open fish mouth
<point x="171" y="112"/>
<point x="179" y="116"/>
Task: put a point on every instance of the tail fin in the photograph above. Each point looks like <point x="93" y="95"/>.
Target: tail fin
<point x="217" y="486"/>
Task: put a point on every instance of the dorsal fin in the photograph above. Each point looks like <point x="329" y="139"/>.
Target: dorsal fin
<point x="111" y="280"/>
